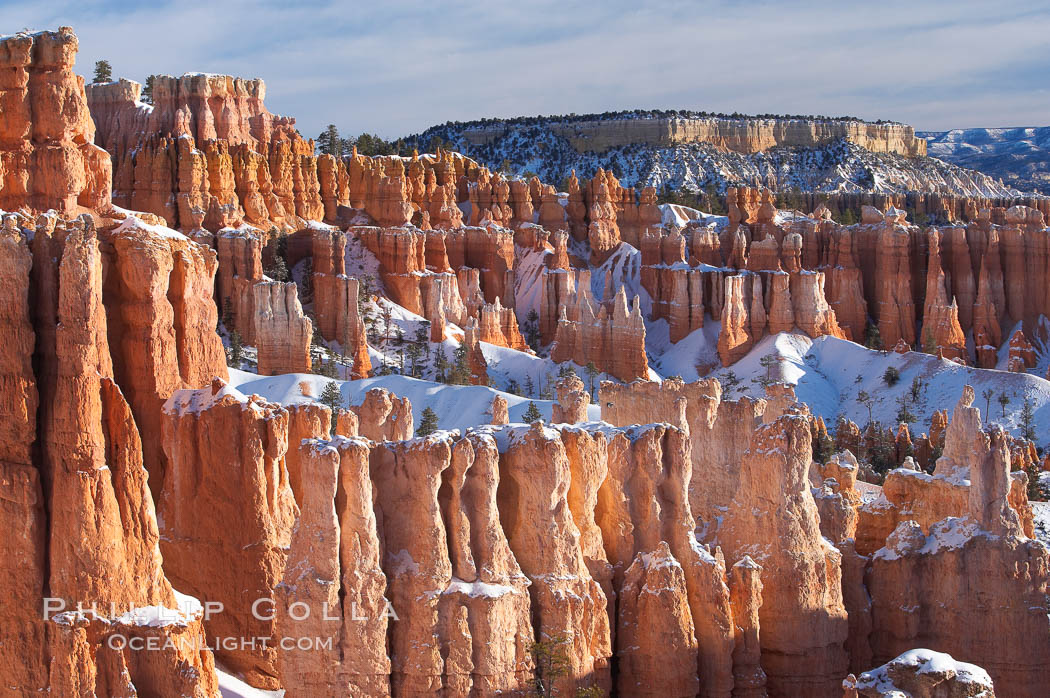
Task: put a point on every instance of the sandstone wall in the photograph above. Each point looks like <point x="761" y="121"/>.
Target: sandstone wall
<point x="47" y="155"/>
<point x="95" y="544"/>
<point x="739" y="135"/>
<point x="228" y="510"/>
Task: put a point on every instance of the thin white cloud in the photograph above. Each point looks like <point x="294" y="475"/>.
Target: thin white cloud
<point x="399" y="67"/>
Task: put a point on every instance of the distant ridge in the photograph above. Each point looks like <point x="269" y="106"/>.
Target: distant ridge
<point x="1020" y="156"/>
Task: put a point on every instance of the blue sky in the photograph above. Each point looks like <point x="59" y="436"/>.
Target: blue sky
<point x="397" y="67"/>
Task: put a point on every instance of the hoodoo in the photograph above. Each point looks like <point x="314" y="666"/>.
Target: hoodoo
<point x="648" y="403"/>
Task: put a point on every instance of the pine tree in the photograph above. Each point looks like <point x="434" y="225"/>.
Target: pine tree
<point x="552" y="663"/>
<point x="729" y="383"/>
<point x="227" y="313"/>
<point x="306" y="287"/>
<point x="236" y="353"/>
<point x="147" y="90"/>
<point x="331" y="397"/>
<point x="872" y="337"/>
<point x="592" y="373"/>
<point x="328" y="142"/>
<point x="1027" y="418"/>
<point x="903" y="413"/>
<point x="768" y="362"/>
<point x="714" y="202"/>
<point x="929" y="344"/>
<point x="279" y="271"/>
<point x="460" y="374"/>
<point x="103" y="72"/>
<point x="428" y="424"/>
<point x="547" y="391"/>
<point x="1035" y="492"/>
<point x="532" y="414"/>
<point x="823" y="445"/>
<point x="1004" y="400"/>
<point x="917" y="386"/>
<point x="532" y="330"/>
<point x="441" y="366"/>
<point x="413" y="351"/>
<point x="882" y="454"/>
<point x="865" y="399"/>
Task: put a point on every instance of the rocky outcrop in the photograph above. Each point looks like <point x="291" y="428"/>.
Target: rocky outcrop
<point x="228" y="510"/>
<point x="572" y="403"/>
<point x="488" y="591"/>
<point x="812" y="313"/>
<point x="312" y="420"/>
<point x="433" y="579"/>
<point x="336" y="299"/>
<point x="924" y="499"/>
<point x="161" y="319"/>
<point x="645" y="500"/>
<point x="603" y="232"/>
<point x="240" y="268"/>
<point x="283" y="333"/>
<point x="1021" y="354"/>
<point x="475" y="357"/>
<point x="614" y="341"/>
<point x="654" y="618"/>
<point x="735" y="337"/>
<point x="836" y="497"/>
<point x="47" y="158"/>
<point x="720" y="432"/>
<point x="94" y="546"/>
<point x="334" y="580"/>
<point x="742" y="135"/>
<point x="774" y="520"/>
<point x="98" y="325"/>
<point x="941" y="330"/>
<point x="745" y="588"/>
<point x="566" y="601"/>
<point x="498" y="410"/>
<point x="498" y="325"/>
<point x="909" y="609"/>
<point x="894" y="306"/>
<point x="383" y="416"/>
<point x="558" y="288"/>
<point x="207" y="152"/>
<point x="206" y="107"/>
<point x="921" y="673"/>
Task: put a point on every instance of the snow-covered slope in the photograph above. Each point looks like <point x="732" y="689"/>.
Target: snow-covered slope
<point x="457" y="406"/>
<point x="232" y="687"/>
<point x="1018" y="156"/>
<point x="829" y="374"/>
<point x="836" y="167"/>
<point x="1041" y="513"/>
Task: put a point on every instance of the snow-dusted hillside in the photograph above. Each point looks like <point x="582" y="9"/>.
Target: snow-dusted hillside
<point x="836" y="167"/>
<point x="829" y="374"/>
<point x="1018" y="156"/>
<point x="457" y="406"/>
